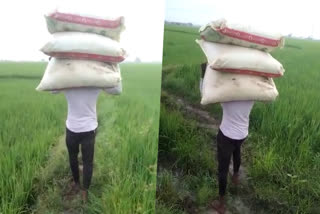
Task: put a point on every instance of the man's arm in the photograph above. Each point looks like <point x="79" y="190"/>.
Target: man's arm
<point x="117" y="90"/>
<point x="203" y="71"/>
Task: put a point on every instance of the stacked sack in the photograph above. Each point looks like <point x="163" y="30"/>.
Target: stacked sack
<point x="85" y="51"/>
<point x="239" y="64"/>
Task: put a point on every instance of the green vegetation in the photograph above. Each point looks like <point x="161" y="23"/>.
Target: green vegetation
<point x="179" y="49"/>
<point x="34" y="168"/>
<point x="282" y="154"/>
<point x="186" y="170"/>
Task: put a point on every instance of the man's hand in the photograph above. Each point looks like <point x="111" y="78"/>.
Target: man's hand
<point x="55" y="92"/>
<point x="117" y="90"/>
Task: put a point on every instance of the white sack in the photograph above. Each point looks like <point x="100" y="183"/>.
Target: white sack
<point x="224" y="87"/>
<point x="61" y="21"/>
<point x="236" y="59"/>
<point x="75" y="45"/>
<point x="65" y="73"/>
<point x="222" y="32"/>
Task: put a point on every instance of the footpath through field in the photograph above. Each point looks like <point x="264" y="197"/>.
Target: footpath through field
<point x="124" y="175"/>
<point x="238" y="200"/>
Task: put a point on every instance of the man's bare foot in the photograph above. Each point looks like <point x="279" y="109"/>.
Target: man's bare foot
<point x="235" y="179"/>
<point x="74" y="188"/>
<point x="219" y="205"/>
<point x="84" y="196"/>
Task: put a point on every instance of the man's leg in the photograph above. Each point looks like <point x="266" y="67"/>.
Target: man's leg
<point x="224" y="152"/>
<point x="236" y="157"/>
<point x="87" y="150"/>
<point x="73" y="150"/>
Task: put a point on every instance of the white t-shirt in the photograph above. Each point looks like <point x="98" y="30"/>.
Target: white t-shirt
<point x="235" y="119"/>
<point x="82" y="115"/>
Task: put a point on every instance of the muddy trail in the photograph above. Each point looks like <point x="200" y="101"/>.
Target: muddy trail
<point x="53" y="185"/>
<point x="239" y="200"/>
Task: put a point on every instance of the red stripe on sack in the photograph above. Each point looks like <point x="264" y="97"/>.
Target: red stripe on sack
<point x="249" y="72"/>
<point x="75" y="87"/>
<point x="97" y="57"/>
<point x="86" y="20"/>
<point x="249" y="37"/>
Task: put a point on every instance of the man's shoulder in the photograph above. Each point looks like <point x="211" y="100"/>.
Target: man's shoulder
<point x="82" y="89"/>
<point x="238" y="104"/>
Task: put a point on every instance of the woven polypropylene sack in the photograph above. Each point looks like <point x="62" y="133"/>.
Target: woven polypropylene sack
<point x="65" y="73"/>
<point x="61" y="21"/>
<point x="236" y="59"/>
<point x="77" y="45"/>
<point x="224" y="87"/>
<point x="222" y="32"/>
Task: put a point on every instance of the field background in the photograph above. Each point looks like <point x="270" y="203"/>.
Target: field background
<point x="34" y="171"/>
<point x="282" y="153"/>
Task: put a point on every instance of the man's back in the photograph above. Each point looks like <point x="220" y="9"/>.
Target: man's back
<point x="235" y="120"/>
<point x="82" y="116"/>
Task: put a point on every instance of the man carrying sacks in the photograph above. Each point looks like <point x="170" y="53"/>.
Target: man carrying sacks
<point x="239" y="72"/>
<point x="83" y="64"/>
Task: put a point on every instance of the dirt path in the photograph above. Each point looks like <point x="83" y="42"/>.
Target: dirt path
<point x="204" y="120"/>
<point x="53" y="184"/>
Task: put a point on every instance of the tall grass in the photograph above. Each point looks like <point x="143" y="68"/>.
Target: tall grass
<point x="186" y="164"/>
<point x="128" y="144"/>
<point x="180" y="46"/>
<point x="287" y="146"/>
<point x="182" y="80"/>
<point x="30" y="124"/>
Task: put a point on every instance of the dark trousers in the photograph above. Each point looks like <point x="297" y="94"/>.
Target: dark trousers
<point x="227" y="147"/>
<point x="86" y="140"/>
